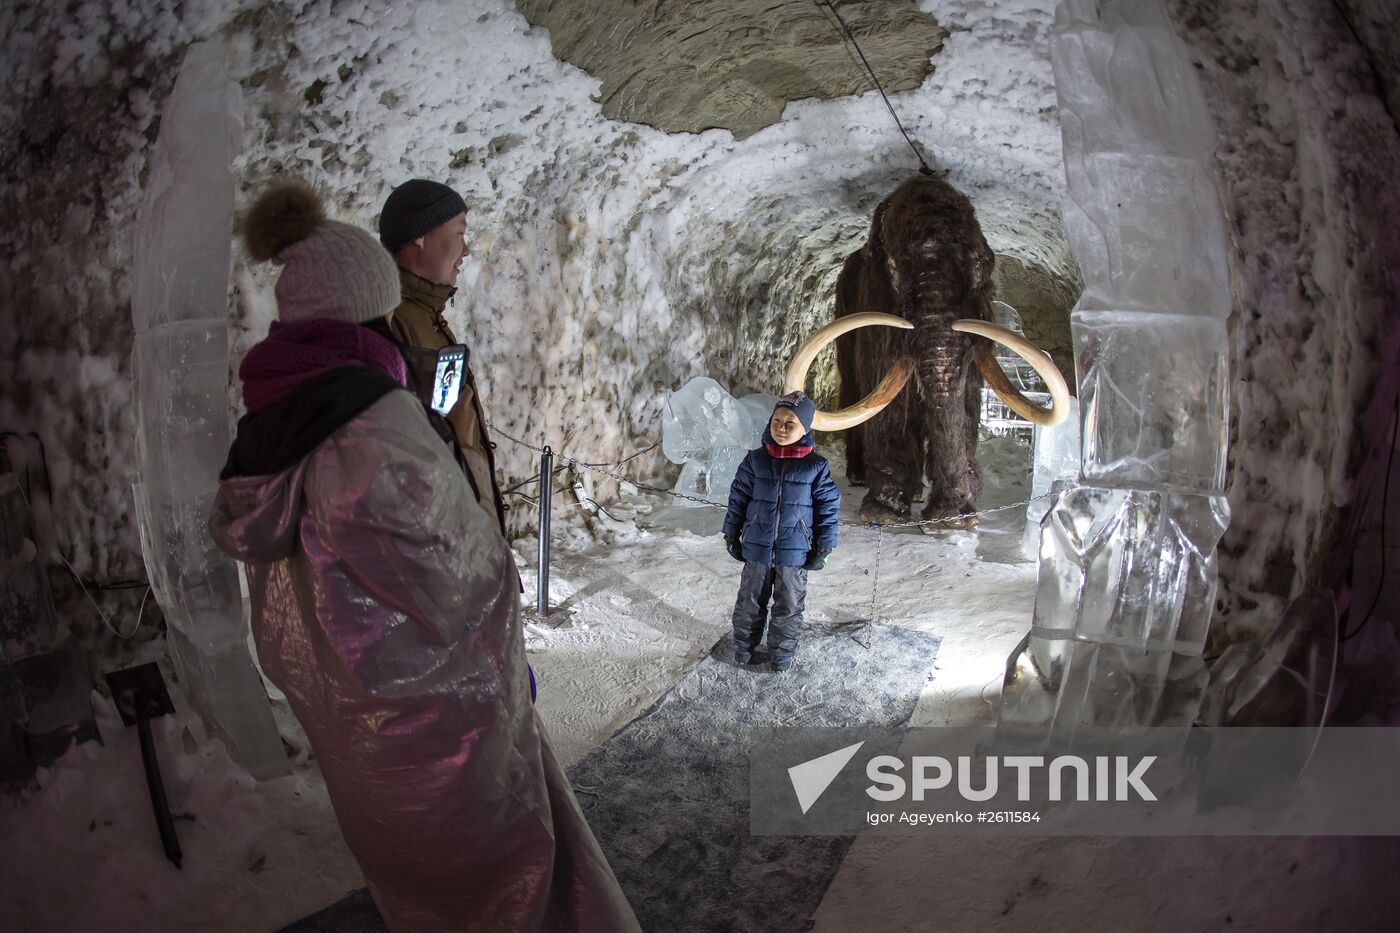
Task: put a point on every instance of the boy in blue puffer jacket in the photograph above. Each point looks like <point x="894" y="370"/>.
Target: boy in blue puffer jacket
<point x="781" y="523"/>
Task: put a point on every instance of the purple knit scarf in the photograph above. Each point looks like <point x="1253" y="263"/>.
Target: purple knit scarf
<point x="297" y="351"/>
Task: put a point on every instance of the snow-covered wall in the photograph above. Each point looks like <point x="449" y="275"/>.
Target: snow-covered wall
<point x="1309" y="155"/>
<point x="611" y="262"/>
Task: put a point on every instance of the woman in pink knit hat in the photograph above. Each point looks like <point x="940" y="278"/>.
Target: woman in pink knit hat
<point x="385" y="608"/>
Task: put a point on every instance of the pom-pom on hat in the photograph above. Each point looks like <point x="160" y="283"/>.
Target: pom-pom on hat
<point x="416" y="208"/>
<point x="329" y="269"/>
<point x="803" y="407"/>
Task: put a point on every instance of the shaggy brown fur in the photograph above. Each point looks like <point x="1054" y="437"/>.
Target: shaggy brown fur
<point x="926" y="261"/>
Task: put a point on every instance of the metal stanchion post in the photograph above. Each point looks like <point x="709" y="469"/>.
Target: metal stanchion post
<point x="546" y="488"/>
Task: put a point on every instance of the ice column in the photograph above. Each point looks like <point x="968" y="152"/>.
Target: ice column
<point x="180" y="365"/>
<point x="1127" y="556"/>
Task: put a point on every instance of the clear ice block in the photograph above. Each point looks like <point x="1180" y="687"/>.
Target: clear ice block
<point x="180" y="370"/>
<point x="1123" y="601"/>
<point x="1127" y="558"/>
<point x="183" y="233"/>
<point x="1054" y="468"/>
<point x="1022" y="375"/>
<point x="709" y="431"/>
<point x="223" y="678"/>
<point x="1125" y="82"/>
<point x="1157" y="242"/>
<point x="1153" y="394"/>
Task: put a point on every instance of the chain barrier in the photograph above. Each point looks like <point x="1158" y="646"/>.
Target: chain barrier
<point x="709" y="503"/>
<point x="877" y="527"/>
<point x="874" y="590"/>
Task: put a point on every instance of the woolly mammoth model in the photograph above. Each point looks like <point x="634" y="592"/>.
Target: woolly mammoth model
<point x="926" y="262"/>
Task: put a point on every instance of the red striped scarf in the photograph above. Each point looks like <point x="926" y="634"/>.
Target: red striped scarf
<point x="791" y="452"/>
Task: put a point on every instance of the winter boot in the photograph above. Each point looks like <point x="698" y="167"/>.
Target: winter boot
<point x="780" y="663"/>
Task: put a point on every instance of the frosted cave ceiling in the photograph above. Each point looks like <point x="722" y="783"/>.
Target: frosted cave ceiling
<point x="734" y="64"/>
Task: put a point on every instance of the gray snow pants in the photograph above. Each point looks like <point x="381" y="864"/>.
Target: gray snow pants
<point x="786" y="589"/>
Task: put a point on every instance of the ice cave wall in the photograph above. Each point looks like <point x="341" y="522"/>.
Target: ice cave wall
<point x="613" y="261"/>
<point x="1308" y="158"/>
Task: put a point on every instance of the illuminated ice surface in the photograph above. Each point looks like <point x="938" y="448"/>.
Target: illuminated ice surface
<point x="1127" y="558"/>
<point x="1054" y="468"/>
<point x="180" y="366"/>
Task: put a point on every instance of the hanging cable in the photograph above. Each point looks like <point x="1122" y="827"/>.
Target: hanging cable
<point x="923" y="166"/>
<point x="1385" y="502"/>
<point x="43" y="458"/>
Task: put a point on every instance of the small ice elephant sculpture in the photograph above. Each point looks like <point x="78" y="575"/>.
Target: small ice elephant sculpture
<point x="709" y="431"/>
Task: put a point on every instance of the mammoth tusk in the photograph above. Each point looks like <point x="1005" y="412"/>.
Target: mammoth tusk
<point x="1059" y="391"/>
<point x="872" y="404"/>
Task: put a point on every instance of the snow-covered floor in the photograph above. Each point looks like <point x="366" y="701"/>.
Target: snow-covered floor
<point x="82" y="853"/>
<point x="637" y="614"/>
<point x="634" y="611"/>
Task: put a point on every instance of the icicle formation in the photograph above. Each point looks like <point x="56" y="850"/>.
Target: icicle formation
<point x="1127" y="557"/>
<point x="180" y="366"/>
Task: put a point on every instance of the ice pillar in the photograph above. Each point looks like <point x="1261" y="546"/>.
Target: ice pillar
<point x="1127" y="556"/>
<point x="180" y="364"/>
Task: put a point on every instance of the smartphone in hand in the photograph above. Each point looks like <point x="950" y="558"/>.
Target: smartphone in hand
<point x="447" y="381"/>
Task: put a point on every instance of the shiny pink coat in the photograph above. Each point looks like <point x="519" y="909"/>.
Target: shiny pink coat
<point x="385" y="607"/>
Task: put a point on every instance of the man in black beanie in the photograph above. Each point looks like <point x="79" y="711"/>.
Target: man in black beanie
<point x="424" y="226"/>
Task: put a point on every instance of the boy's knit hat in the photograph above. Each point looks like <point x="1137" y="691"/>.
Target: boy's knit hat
<point x="804" y="408"/>
<point x="416" y="208"/>
<point x="329" y="269"/>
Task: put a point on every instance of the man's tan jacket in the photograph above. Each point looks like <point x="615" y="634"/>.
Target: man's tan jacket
<point x="419" y="325"/>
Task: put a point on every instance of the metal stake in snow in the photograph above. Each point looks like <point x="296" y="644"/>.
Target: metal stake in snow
<point x="546" y="488"/>
<point x="141" y="696"/>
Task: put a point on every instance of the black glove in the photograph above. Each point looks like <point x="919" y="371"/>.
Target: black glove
<point x="816" y="560"/>
<point x="736" y="550"/>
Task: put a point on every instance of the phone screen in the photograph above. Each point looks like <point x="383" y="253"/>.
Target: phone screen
<point x="447" y="382"/>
